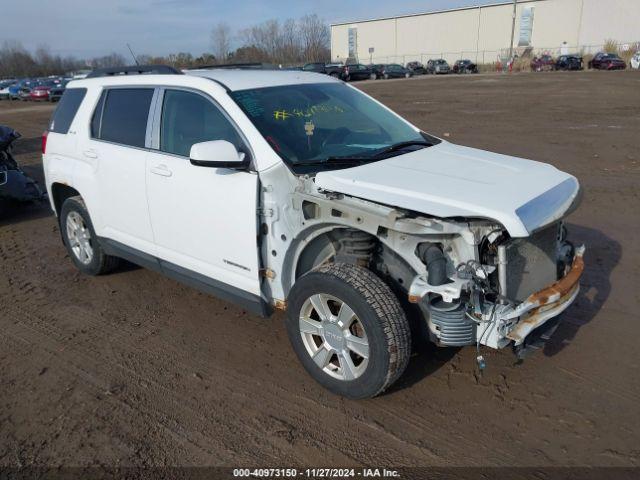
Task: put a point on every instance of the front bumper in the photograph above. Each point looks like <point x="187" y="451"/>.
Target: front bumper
<point x="503" y="324"/>
<point x="548" y="302"/>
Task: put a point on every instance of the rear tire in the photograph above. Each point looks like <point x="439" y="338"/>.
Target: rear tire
<point x="81" y="240"/>
<point x="348" y="330"/>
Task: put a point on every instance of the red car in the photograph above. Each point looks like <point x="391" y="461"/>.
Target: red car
<point x="543" y="63"/>
<point x="607" y="61"/>
<point x="41" y="92"/>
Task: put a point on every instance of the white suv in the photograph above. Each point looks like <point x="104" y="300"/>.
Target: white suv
<point x="297" y="191"/>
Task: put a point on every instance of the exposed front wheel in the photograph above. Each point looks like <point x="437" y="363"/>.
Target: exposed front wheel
<point x="81" y="240"/>
<point x="348" y="330"/>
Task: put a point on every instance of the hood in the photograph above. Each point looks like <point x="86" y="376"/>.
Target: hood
<point x="448" y="180"/>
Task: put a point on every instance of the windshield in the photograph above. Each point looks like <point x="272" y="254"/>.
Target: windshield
<point x="312" y="123"/>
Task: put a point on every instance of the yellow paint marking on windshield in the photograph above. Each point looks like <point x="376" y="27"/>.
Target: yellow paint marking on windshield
<point x="283" y="114"/>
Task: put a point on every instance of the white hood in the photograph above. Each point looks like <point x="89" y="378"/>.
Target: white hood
<point x="448" y="180"/>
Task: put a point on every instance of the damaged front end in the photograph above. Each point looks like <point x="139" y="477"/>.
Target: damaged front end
<point x="512" y="288"/>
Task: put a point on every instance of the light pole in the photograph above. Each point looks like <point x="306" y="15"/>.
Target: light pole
<point x="513" y="28"/>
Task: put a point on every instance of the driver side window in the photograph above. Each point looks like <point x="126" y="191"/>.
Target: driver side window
<point x="189" y="118"/>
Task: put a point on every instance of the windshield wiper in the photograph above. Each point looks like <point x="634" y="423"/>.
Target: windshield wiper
<point x="401" y="146"/>
<point x="362" y="159"/>
<point x="335" y="161"/>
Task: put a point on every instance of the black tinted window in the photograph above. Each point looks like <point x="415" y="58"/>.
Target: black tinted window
<point x="189" y="118"/>
<point x="67" y="108"/>
<point x="124" y="116"/>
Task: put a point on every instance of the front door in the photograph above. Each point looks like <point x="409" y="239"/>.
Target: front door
<point x="204" y="219"/>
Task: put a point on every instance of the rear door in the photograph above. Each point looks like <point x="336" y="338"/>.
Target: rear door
<point x="204" y="219"/>
<point x="117" y="149"/>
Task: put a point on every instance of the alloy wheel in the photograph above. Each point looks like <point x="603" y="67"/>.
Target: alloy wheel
<point x="79" y="237"/>
<point x="334" y="337"/>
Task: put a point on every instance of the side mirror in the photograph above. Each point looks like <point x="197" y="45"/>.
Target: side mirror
<point x="217" y="154"/>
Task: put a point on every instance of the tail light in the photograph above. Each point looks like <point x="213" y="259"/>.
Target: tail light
<point x="45" y="134"/>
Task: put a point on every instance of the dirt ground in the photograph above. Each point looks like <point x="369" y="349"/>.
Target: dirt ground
<point x="136" y="369"/>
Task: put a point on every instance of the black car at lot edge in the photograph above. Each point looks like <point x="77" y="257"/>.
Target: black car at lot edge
<point x="417" y="68"/>
<point x="327" y="69"/>
<point x="357" y="71"/>
<point x="394" y="70"/>
<point x="377" y="68"/>
<point x="464" y="66"/>
<point x="569" y="62"/>
<point x="607" y="61"/>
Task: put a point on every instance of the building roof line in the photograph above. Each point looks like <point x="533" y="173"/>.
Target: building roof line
<point x="434" y="12"/>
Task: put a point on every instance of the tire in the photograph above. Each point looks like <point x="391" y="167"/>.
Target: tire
<point x="98" y="263"/>
<point x="375" y="314"/>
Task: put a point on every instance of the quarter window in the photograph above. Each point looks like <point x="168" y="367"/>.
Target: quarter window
<point x="67" y="109"/>
<point x="124" y="116"/>
<point x="189" y="118"/>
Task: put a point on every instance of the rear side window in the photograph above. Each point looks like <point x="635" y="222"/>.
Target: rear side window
<point x="124" y="116"/>
<point x="66" y="110"/>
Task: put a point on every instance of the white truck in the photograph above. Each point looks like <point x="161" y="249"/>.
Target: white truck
<point x="296" y="191"/>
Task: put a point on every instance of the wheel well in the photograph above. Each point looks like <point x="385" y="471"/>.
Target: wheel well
<point x="60" y="192"/>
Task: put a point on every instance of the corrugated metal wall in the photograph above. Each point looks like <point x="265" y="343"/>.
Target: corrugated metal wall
<point x="483" y="33"/>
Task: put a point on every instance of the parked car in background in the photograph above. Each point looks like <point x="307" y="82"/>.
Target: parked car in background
<point x="357" y="71"/>
<point x="24" y="93"/>
<point x="4" y="89"/>
<point x="40" y="92"/>
<point x="334" y="70"/>
<point x="569" y="62"/>
<point x="635" y="61"/>
<point x="438" y="66"/>
<point x="55" y="94"/>
<point x="543" y="63"/>
<point x="417" y="68"/>
<point x="607" y="61"/>
<point x="465" y="66"/>
<point x="377" y="68"/>
<point x="394" y="70"/>
<point x="14" y="90"/>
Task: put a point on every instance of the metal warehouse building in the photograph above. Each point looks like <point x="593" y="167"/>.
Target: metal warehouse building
<point x="483" y="33"/>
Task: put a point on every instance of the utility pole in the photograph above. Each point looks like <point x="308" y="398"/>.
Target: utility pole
<point x="513" y="28"/>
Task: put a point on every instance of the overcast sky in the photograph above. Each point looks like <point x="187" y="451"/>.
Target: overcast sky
<point x="87" y="28"/>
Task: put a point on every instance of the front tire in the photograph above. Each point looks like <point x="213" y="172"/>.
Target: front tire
<point x="81" y="240"/>
<point x="348" y="330"/>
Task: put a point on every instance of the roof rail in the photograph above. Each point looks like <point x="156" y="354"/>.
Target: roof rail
<point x="243" y="66"/>
<point x="134" y="70"/>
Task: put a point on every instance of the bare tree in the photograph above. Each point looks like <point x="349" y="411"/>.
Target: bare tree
<point x="315" y="38"/>
<point x="221" y="41"/>
<point x="111" y="60"/>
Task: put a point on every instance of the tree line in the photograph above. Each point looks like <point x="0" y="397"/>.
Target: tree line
<point x="289" y="42"/>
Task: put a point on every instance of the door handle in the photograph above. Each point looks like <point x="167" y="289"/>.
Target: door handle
<point x="161" y="170"/>
<point x="90" y="154"/>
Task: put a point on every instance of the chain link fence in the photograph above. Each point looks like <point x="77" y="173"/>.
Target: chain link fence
<point x="493" y="57"/>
